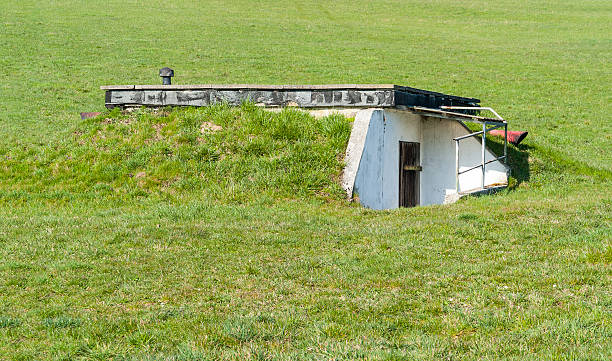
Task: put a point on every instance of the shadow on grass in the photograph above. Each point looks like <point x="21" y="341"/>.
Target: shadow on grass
<point x="546" y="160"/>
<point x="518" y="159"/>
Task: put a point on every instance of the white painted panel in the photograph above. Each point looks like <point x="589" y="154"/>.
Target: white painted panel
<point x="438" y="176"/>
<point x="399" y="126"/>
<point x="356" y="144"/>
<point x="438" y="160"/>
<point x="368" y="181"/>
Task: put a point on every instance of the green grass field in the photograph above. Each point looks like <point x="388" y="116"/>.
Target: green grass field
<point x="145" y="236"/>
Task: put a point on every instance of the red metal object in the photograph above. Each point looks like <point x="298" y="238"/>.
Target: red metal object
<point x="87" y="115"/>
<point x="514" y="136"/>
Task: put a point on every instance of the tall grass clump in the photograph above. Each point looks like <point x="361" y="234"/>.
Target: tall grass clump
<point x="224" y="153"/>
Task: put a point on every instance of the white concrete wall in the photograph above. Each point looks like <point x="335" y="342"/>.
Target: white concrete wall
<point x="399" y="126"/>
<point x="438" y="161"/>
<point x="377" y="178"/>
<point x="470" y="153"/>
<point x="368" y="180"/>
<point x="355" y="146"/>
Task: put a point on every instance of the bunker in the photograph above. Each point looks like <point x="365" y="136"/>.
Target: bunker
<point x="417" y="156"/>
<point x="408" y="146"/>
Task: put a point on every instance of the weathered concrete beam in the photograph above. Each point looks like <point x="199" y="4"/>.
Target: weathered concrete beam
<point x="305" y="96"/>
<point x="270" y="98"/>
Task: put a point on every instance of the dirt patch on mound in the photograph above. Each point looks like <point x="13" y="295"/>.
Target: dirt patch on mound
<point x="208" y="127"/>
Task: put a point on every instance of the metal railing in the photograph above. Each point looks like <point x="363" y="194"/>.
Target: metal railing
<point x="485" y="123"/>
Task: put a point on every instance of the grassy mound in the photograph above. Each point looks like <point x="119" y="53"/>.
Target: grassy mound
<point x="227" y="153"/>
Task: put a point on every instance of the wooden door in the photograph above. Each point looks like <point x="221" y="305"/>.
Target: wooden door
<point x="409" y="171"/>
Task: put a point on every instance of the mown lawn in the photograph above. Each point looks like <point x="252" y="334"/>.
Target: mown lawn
<point x="157" y="235"/>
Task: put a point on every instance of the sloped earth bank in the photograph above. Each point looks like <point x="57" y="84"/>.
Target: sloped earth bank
<point x="222" y="233"/>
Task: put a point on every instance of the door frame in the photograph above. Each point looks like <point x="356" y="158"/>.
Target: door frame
<point x="409" y="174"/>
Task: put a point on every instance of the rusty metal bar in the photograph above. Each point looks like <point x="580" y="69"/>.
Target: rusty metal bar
<point x="474" y="108"/>
<point x="445" y="114"/>
<point x="413" y="167"/>
<point x="479" y="132"/>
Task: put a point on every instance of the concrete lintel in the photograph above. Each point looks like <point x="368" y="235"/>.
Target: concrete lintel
<point x="307" y="96"/>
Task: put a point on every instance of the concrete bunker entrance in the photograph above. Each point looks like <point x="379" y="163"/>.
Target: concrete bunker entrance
<point x="403" y="150"/>
<point x="401" y="158"/>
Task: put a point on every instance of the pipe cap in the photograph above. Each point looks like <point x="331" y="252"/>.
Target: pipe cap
<point x="166" y="72"/>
